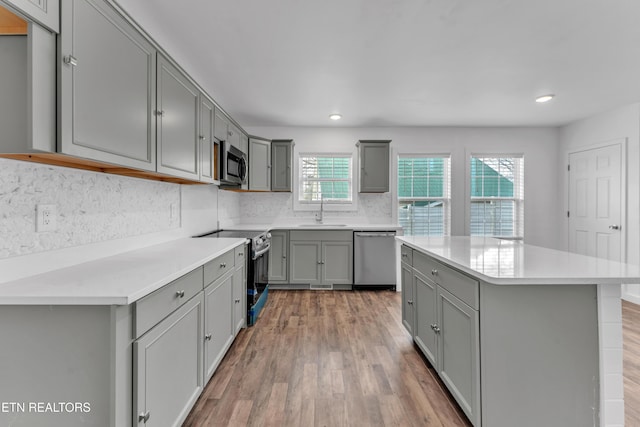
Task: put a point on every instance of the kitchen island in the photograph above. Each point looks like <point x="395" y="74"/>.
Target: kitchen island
<point x="520" y="335"/>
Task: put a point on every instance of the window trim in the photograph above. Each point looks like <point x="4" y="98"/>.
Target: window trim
<point x="518" y="199"/>
<point x="329" y="205"/>
<point x="446" y="199"/>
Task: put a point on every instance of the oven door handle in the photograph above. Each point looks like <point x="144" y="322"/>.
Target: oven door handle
<point x="260" y="253"/>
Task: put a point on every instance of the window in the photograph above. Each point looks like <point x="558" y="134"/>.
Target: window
<point x="423" y="195"/>
<point x="497" y="196"/>
<point x="326" y="176"/>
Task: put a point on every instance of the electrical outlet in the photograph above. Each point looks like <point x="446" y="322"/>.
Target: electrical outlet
<point x="46" y="218"/>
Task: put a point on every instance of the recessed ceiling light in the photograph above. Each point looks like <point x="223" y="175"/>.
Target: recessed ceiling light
<point x="545" y="98"/>
<point x="335" y="116"/>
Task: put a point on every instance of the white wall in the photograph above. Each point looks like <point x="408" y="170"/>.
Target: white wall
<point x="539" y="146"/>
<point x="620" y="123"/>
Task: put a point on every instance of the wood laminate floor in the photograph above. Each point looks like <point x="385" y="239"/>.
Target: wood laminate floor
<point x="330" y="358"/>
<point x="326" y="358"/>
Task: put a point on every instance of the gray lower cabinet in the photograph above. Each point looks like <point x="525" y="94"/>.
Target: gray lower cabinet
<point x="259" y="164"/>
<point x="305" y="261"/>
<point x="321" y="259"/>
<point x="281" y="165"/>
<point x="278" y="262"/>
<point x="408" y="291"/>
<point x="240" y="289"/>
<point x="374" y="159"/>
<point x="218" y="323"/>
<point x="177" y="122"/>
<point x="108" y="87"/>
<point x="168" y="367"/>
<point x="446" y="325"/>
<point x="45" y="12"/>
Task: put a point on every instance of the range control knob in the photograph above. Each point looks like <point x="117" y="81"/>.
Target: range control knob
<point x="259" y="241"/>
<point x="268" y="235"/>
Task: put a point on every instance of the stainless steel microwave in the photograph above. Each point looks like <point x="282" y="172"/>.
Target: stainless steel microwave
<point x="233" y="165"/>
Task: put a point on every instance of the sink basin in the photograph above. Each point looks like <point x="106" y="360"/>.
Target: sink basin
<point x="314" y="225"/>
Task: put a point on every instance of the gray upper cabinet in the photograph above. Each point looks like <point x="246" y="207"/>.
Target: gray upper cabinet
<point x="374" y="166"/>
<point x="177" y="122"/>
<point x="221" y="131"/>
<point x="259" y="164"/>
<point x="209" y="149"/>
<point x="108" y="81"/>
<point x="28" y="88"/>
<point x="45" y="12"/>
<point x="281" y="165"/>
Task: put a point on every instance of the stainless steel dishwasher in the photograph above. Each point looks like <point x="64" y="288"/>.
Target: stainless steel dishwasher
<point x="374" y="261"/>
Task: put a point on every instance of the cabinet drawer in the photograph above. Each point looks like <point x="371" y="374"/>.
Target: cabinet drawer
<point x="240" y="255"/>
<point x="406" y="254"/>
<point x="156" y="306"/>
<point x="218" y="266"/>
<point x="460" y="285"/>
<point x="318" y="235"/>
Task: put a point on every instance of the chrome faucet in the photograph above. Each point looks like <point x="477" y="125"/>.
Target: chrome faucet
<point x="320" y="214"/>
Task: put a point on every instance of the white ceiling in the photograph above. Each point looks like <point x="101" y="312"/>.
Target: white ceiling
<point x="403" y="62"/>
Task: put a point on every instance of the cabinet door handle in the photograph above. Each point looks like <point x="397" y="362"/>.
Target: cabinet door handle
<point x="284" y="257"/>
<point x="434" y="272"/>
<point x="159" y="113"/>
<point x="320" y="262"/>
<point x="410" y="302"/>
<point x="144" y="416"/>
<point x="241" y="254"/>
<point x="435" y="328"/>
<point x="237" y="300"/>
<point x="207" y="337"/>
<point x="202" y="137"/>
<point x="180" y="294"/>
<point x="614" y="227"/>
<point x="70" y="60"/>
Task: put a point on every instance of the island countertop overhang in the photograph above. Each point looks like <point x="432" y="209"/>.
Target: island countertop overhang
<point x="508" y="262"/>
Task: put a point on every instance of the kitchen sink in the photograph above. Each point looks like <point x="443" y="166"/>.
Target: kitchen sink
<point x="314" y="225"/>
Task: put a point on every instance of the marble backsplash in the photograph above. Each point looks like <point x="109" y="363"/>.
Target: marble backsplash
<point x="272" y="207"/>
<point x="229" y="208"/>
<point x="91" y="207"/>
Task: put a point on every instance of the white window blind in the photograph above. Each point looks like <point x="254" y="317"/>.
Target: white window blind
<point x="497" y="196"/>
<point x="424" y="198"/>
<point x="327" y="176"/>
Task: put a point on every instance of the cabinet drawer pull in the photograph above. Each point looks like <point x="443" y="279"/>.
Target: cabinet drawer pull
<point x="144" y="416"/>
<point x="180" y="294"/>
<point x="223" y="265"/>
<point x="241" y="254"/>
<point x="434" y="272"/>
<point x="207" y="337"/>
<point x="404" y="255"/>
<point x="237" y="300"/>
<point x="70" y="60"/>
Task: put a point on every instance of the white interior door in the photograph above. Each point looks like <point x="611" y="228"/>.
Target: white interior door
<point x="596" y="202"/>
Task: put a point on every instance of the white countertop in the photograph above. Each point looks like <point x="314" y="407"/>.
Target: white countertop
<point x="507" y="262"/>
<point x="116" y="280"/>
